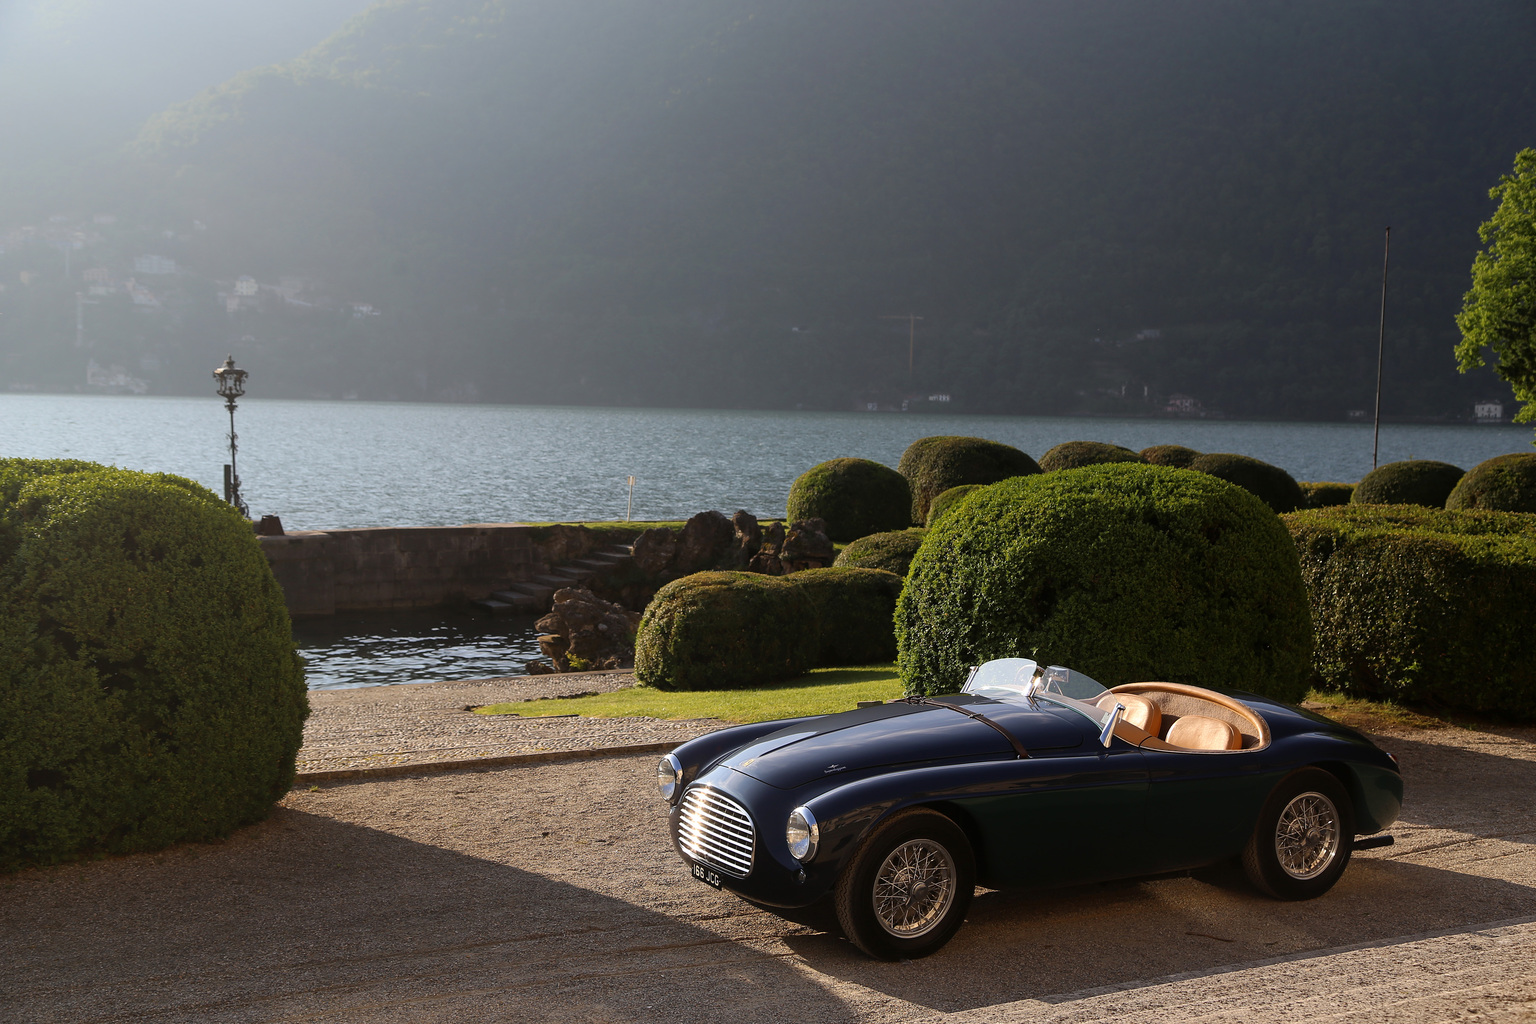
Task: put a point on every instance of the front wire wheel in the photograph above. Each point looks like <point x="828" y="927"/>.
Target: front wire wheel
<point x="1304" y="837"/>
<point x="906" y="891"/>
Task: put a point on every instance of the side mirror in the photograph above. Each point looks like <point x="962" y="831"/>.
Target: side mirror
<point x="1107" y="733"/>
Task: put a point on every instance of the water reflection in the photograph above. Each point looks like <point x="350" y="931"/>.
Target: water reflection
<point x="349" y="650"/>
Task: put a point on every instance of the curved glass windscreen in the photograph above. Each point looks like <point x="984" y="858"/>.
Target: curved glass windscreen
<point x="1022" y="679"/>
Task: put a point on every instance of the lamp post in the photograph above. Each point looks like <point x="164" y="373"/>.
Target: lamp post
<point x="231" y="386"/>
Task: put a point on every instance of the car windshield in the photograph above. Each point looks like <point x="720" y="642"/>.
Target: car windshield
<point x="1023" y="680"/>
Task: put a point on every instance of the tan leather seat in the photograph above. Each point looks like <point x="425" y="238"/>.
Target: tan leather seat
<point x="1139" y="711"/>
<point x="1196" y="732"/>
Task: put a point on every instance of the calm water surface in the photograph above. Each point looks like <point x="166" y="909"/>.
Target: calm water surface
<point x="332" y="465"/>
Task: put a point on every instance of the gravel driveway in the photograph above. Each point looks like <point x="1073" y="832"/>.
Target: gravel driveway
<point x="548" y="892"/>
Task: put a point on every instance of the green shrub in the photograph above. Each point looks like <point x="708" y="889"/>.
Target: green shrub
<point x="1175" y="455"/>
<point x="854" y="497"/>
<point x="152" y="691"/>
<point x="889" y="551"/>
<point x="1423" y="605"/>
<point x="1127" y="572"/>
<point x="725" y="630"/>
<point x="932" y="465"/>
<point x="1325" y="493"/>
<point x="855" y="613"/>
<point x="1273" y="485"/>
<point x="1077" y="454"/>
<point x="1414" y="482"/>
<point x="1505" y="483"/>
<point x="946" y="501"/>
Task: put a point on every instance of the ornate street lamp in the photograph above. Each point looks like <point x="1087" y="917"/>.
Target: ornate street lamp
<point x="231" y="386"/>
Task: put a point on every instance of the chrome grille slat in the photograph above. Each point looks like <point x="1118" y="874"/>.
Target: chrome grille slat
<point x="716" y="830"/>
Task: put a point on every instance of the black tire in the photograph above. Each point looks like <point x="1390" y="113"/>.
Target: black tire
<point x="882" y="912"/>
<point x="1305" y="834"/>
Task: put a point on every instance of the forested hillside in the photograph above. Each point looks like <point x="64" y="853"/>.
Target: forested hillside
<point x="1093" y="205"/>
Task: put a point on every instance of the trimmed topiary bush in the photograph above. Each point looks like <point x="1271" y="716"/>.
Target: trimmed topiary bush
<point x="944" y="502"/>
<point x="1423" y="605"/>
<point x="1273" y="485"/>
<point x="855" y="613"/>
<point x="726" y="630"/>
<point x="1324" y="493"/>
<point x="932" y="465"/>
<point x="854" y="497"/>
<point x="1127" y="572"/>
<point x="1077" y="454"/>
<point x="1175" y="455"/>
<point x="1504" y="483"/>
<point x="1413" y="482"/>
<point x="152" y="690"/>
<point x="889" y="551"/>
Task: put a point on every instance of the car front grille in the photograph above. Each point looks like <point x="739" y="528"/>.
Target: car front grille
<point x="716" y="830"/>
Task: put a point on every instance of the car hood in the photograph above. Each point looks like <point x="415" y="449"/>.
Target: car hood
<point x="902" y="733"/>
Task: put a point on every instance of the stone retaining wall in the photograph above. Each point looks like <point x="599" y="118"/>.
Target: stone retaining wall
<point x="416" y="567"/>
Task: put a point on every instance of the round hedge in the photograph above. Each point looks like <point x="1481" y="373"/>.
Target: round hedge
<point x="1413" y="482"/>
<point x="1423" y="605"/>
<point x="1127" y="572"/>
<point x="889" y="551"/>
<point x="1504" y="483"/>
<point x="1077" y="454"/>
<point x="153" y="694"/>
<point x="855" y="613"/>
<point x="725" y="630"/>
<point x="946" y="501"/>
<point x="1175" y="455"/>
<point x="1325" y="493"/>
<point x="932" y="465"/>
<point x="854" y="497"/>
<point x="1273" y="485"/>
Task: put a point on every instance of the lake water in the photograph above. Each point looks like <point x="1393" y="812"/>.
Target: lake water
<point x="331" y="465"/>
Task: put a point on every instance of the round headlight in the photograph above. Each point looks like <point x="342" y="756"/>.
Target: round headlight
<point x="802" y="834"/>
<point x="669" y="777"/>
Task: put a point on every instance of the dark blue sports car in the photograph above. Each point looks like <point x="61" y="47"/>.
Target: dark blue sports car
<point x="1031" y="775"/>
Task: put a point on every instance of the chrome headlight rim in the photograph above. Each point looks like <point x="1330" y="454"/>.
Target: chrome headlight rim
<point x="669" y="778"/>
<point x="802" y="834"/>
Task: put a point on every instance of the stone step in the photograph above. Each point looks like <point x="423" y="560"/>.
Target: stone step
<point x="523" y="593"/>
<point x="495" y="607"/>
<point x="558" y="579"/>
<point x="593" y="563"/>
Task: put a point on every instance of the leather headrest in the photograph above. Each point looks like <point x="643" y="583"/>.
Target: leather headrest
<point x="1139" y="711"/>
<point x="1196" y="732"/>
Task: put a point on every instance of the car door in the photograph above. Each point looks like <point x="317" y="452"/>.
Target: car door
<point x="1065" y="817"/>
<point x="1201" y="805"/>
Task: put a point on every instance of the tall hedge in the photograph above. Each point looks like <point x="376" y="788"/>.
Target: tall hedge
<point x="1504" y="483"/>
<point x="1175" y="455"/>
<point x="1077" y="454"/>
<point x="1127" y="572"/>
<point x="1411" y="482"/>
<point x="726" y="630"/>
<point x="152" y="692"/>
<point x="1423" y="605"/>
<point x="855" y="611"/>
<point x="891" y="551"/>
<point x="932" y="465"/>
<point x="1273" y="485"/>
<point x="854" y="497"/>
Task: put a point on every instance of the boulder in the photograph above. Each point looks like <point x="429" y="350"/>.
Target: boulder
<point x="806" y="546"/>
<point x="583" y="631"/>
<point x="749" y="539"/>
<point x="654" y="550"/>
<point x="703" y="543"/>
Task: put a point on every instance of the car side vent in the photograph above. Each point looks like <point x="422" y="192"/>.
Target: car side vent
<point x="716" y="830"/>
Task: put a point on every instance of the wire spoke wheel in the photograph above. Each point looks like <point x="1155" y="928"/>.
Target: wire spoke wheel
<point x="913" y="888"/>
<point x="1307" y="835"/>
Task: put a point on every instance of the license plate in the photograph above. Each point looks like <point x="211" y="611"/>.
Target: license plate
<point x="706" y="876"/>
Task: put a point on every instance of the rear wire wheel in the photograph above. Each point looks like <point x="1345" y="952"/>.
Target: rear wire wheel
<point x="1305" y="834"/>
<point x="906" y="890"/>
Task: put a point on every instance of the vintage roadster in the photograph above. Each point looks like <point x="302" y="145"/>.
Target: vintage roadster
<point x="1031" y="775"/>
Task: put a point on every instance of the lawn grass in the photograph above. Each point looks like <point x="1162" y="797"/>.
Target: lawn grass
<point x="1373" y="715"/>
<point x="820" y="692"/>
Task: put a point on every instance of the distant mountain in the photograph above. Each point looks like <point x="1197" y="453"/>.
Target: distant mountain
<point x="1093" y="204"/>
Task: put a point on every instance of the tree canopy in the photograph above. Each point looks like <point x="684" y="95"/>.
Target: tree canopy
<point x="1499" y="312"/>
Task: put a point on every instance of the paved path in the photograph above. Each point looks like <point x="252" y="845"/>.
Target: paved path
<point x="548" y="892"/>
